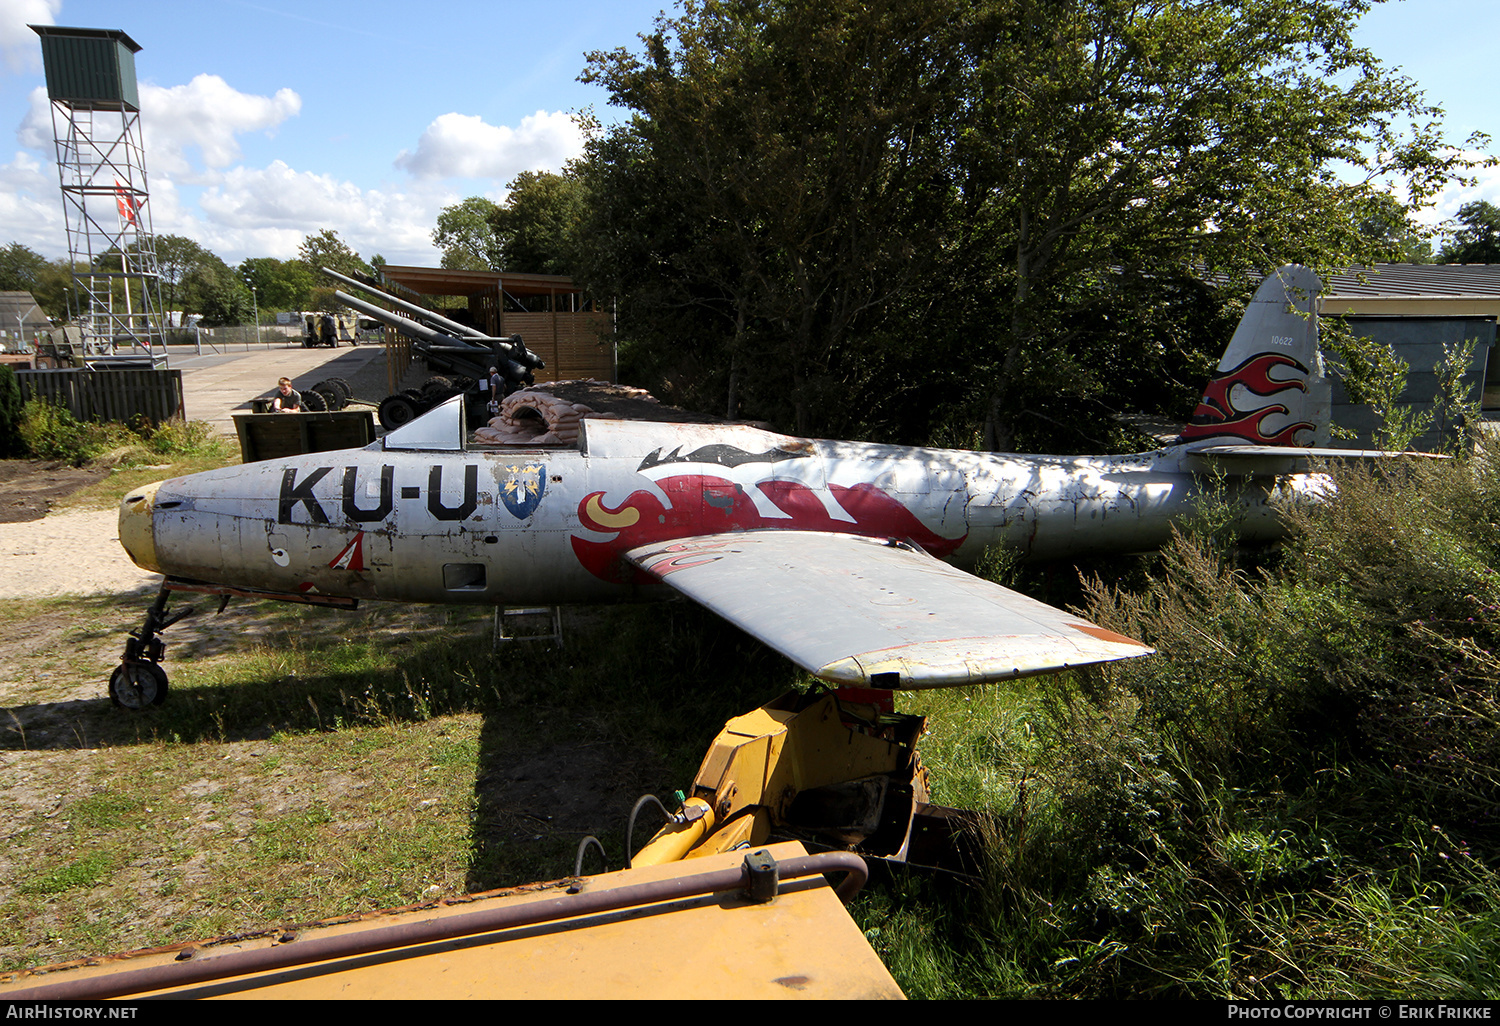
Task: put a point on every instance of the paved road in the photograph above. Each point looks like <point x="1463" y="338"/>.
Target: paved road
<point x="215" y="387"/>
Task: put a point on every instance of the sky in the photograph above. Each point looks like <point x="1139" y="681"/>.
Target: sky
<point x="268" y="121"/>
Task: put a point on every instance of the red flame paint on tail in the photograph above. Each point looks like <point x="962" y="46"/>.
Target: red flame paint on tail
<point x="1217" y="415"/>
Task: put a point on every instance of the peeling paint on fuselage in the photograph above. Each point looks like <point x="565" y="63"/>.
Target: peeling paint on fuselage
<point x="550" y="526"/>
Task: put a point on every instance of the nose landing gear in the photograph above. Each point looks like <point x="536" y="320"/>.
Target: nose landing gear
<point x="139" y="682"/>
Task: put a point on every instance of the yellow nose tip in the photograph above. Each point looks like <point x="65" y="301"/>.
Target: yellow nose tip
<point x="136" y="531"/>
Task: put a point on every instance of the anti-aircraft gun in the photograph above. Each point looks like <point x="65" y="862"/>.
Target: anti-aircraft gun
<point x="446" y="346"/>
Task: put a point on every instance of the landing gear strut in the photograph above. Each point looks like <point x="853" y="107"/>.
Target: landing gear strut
<point x="139" y="681"/>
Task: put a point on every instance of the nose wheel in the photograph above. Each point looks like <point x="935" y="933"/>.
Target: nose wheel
<point x="139" y="682"/>
<point x="136" y="686"/>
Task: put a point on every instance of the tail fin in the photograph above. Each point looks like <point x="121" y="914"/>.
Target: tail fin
<point x="1269" y="388"/>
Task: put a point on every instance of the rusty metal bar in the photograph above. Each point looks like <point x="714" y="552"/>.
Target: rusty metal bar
<point x="428" y="931"/>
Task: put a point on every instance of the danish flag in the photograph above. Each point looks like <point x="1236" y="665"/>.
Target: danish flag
<point x="127" y="203"/>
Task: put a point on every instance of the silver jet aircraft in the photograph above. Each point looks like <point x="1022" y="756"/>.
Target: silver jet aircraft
<point x="844" y="556"/>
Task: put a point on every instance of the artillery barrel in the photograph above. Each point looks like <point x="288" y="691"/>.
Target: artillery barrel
<point x="436" y="320"/>
<point x="472" y="346"/>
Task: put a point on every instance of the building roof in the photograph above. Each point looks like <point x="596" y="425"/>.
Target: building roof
<point x="1414" y="290"/>
<point x="87" y="33"/>
<point x="442" y="281"/>
<point x="21" y="305"/>
<point x="1409" y="280"/>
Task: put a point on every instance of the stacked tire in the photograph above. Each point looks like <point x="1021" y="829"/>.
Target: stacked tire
<point x="331" y="394"/>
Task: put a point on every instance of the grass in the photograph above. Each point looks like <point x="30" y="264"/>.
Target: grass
<point x="133" y="473"/>
<point x="1295" y="799"/>
<point x="49" y="431"/>
<point x="310" y="763"/>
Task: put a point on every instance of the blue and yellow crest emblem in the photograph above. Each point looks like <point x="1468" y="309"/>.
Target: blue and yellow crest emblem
<point x="521" y="488"/>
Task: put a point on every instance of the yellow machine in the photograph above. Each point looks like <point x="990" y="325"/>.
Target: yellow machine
<point x="712" y="928"/>
<point x="326" y="329"/>
<point x="840" y="772"/>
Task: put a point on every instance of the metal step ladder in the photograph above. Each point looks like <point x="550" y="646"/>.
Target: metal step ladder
<point x="503" y="614"/>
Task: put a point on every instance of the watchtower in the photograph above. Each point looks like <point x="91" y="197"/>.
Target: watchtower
<point x="101" y="166"/>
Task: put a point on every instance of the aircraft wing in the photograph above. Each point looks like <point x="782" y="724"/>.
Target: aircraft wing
<point x="875" y="612"/>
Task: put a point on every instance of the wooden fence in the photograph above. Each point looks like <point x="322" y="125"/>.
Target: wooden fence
<point x="575" y="345"/>
<point x="116" y="395"/>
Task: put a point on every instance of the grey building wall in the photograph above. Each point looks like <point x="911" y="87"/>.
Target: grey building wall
<point x="1421" y="342"/>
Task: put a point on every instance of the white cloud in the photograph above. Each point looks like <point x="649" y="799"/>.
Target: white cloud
<point x="200" y="189"/>
<point x="268" y="211"/>
<point x="279" y="196"/>
<point x="21" y="48"/>
<point x="31" y="206"/>
<point x="36" y="127"/>
<point x="1486" y="187"/>
<point x="463" y="146"/>
<point x="206" y="114"/>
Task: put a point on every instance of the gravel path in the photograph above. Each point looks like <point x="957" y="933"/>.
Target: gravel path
<point x="72" y="553"/>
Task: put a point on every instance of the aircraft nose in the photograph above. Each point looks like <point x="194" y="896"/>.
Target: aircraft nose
<point x="137" y="531"/>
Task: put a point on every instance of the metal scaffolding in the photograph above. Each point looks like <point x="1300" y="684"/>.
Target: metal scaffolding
<point x="101" y="167"/>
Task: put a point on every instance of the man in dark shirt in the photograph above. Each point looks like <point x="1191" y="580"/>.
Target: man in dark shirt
<point x="287" y="398"/>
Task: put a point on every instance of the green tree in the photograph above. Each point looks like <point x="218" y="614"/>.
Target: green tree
<point x="278" y="284"/>
<point x="1110" y="134"/>
<point x="1477" y="240"/>
<point x="176" y="258"/>
<point x="884" y="198"/>
<point x="56" y="289"/>
<point x="50" y="282"/>
<point x="537" y="228"/>
<point x="21" y="268"/>
<point x="214" y="290"/>
<point x="326" y="249"/>
<point x="1387" y="222"/>
<point x="466" y="237"/>
<point x="801" y="143"/>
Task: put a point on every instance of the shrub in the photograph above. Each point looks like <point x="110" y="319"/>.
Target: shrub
<point x="51" y="432"/>
<point x="10" y="412"/>
<point x="1376" y="640"/>
<point x="183" y="438"/>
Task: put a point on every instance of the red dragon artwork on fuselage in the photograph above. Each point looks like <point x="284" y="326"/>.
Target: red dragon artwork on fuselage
<point x="1216" y="415"/>
<point x="704" y="504"/>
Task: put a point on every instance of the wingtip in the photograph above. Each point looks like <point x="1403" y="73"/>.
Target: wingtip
<point x="958" y="662"/>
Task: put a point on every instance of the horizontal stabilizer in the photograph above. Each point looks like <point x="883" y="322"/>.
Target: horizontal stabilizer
<point x="873" y="612"/>
<point x="1249" y="459"/>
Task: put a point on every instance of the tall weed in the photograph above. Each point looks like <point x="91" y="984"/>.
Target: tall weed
<point x="1298" y="795"/>
<point x="50" y="431"/>
<point x="10" y="412"/>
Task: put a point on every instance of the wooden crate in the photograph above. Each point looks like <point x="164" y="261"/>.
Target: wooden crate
<point x="267" y="436"/>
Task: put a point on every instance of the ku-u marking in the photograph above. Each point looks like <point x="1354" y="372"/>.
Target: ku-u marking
<point x="297" y="492"/>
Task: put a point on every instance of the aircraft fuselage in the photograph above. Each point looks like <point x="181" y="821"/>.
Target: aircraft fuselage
<point x="550" y="526"/>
